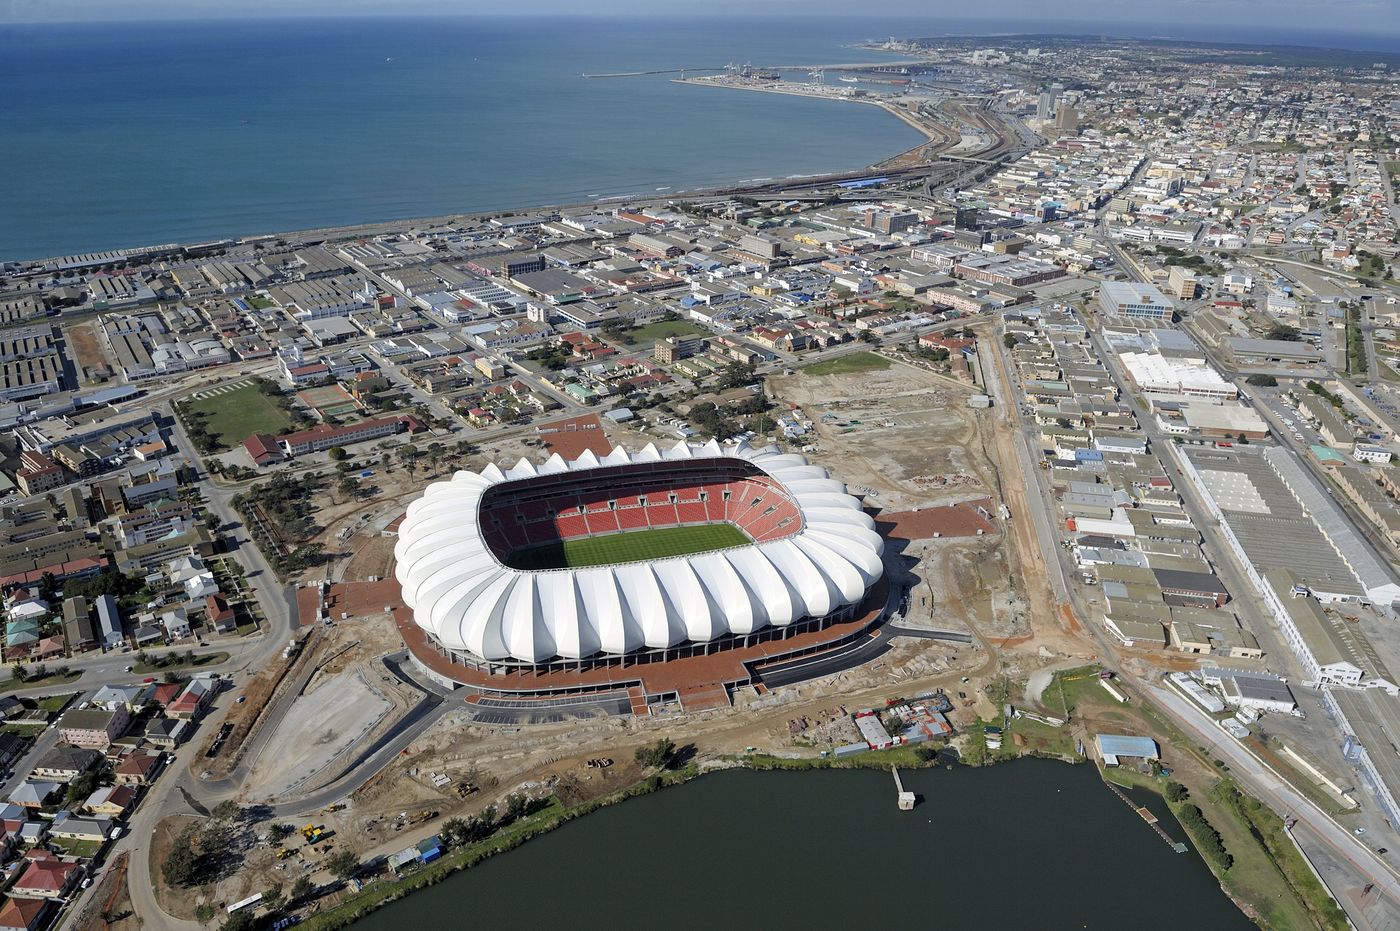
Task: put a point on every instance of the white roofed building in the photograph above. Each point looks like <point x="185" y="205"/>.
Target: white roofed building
<point x="490" y="561"/>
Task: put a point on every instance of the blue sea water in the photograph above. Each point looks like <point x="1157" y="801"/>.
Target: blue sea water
<point x="138" y="133"/>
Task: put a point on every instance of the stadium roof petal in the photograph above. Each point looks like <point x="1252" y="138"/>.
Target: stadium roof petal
<point x="469" y="600"/>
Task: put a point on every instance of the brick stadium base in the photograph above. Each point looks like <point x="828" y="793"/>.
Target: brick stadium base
<point x="697" y="683"/>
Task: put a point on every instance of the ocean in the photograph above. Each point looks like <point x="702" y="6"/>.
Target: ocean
<point x="141" y="133"/>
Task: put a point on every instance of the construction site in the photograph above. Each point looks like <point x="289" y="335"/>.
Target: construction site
<point x="341" y="727"/>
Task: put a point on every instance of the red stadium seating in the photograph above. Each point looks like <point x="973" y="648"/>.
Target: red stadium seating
<point x="546" y="509"/>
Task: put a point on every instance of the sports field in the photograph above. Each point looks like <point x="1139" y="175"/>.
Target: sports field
<point x="236" y="411"/>
<point x="630" y="546"/>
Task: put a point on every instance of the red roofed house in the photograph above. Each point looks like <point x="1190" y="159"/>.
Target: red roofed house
<point x="46" y="877"/>
<point x="167" y="692"/>
<point x="218" y="613"/>
<point x="189" y="703"/>
<point x="263" y="449"/>
<point x="48" y="648"/>
<point x="139" y="769"/>
<point x="24" y="914"/>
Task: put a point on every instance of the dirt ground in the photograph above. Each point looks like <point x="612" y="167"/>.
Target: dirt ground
<point x="917" y="443"/>
<point x="110" y="898"/>
<point x="902" y="436"/>
<point x="86" y="351"/>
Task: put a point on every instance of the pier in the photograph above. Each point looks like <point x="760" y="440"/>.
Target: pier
<point x="905" y="800"/>
<point x="1147" y="816"/>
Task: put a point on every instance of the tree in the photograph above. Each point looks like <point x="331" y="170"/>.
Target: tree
<point x="182" y="863"/>
<point x="343" y="865"/>
<point x="337" y="453"/>
<point x="516" y="806"/>
<point x="656" y="755"/>
<point x="280" y="832"/>
<point x="1262" y="381"/>
<point x="80" y="788"/>
<point x="1009" y="341"/>
<point x="272" y="897"/>
<point x="242" y="920"/>
<point x="301" y="890"/>
<point x="227" y="810"/>
<point x="454" y="832"/>
<point x="1175" y="792"/>
<point x="349" y="486"/>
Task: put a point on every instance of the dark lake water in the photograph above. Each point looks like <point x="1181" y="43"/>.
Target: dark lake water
<point x="1032" y="844"/>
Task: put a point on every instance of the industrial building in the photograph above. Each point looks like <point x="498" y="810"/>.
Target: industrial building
<point x="1135" y="301"/>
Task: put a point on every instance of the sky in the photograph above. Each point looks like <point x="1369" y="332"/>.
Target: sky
<point x="1332" y="15"/>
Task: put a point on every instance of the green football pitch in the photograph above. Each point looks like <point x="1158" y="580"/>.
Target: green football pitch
<point x="629" y="546"/>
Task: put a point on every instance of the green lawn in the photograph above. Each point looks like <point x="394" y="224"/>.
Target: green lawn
<point x="87" y="849"/>
<point x="662" y="329"/>
<point x="236" y="415"/>
<point x="848" y="365"/>
<point x="177" y="661"/>
<point x="54" y="703"/>
<point x="631" y="546"/>
<point x="50" y="679"/>
<point x="23" y="730"/>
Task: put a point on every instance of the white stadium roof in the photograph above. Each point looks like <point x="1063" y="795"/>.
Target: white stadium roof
<point x="470" y="601"/>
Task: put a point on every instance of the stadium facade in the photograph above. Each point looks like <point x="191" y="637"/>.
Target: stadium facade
<point x="809" y="561"/>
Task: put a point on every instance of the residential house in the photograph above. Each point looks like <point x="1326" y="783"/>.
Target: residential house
<point x="25" y="914"/>
<point x="93" y="727"/>
<point x="34" y="794"/>
<point x="167" y="733"/>
<point x="176" y="624"/>
<point x="111" y="801"/>
<point x="139" y="769"/>
<point x="219" y="615"/>
<point x="46" y="877"/>
<point x="69" y="826"/>
<point x="191" y="702"/>
<point x="64" y="764"/>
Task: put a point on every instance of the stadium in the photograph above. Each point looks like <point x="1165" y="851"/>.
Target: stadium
<point x="598" y="565"/>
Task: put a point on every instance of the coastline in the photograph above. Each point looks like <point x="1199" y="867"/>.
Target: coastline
<point x="313" y="234"/>
<point x="317" y="234"/>
<point x="930" y="134"/>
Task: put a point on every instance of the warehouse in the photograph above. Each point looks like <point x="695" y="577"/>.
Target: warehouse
<point x="1248" y="350"/>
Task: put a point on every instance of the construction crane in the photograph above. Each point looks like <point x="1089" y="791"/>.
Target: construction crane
<point x="818" y="75"/>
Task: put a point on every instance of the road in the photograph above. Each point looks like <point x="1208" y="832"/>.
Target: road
<point x="1345" y="860"/>
<point x="1337" y="846"/>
